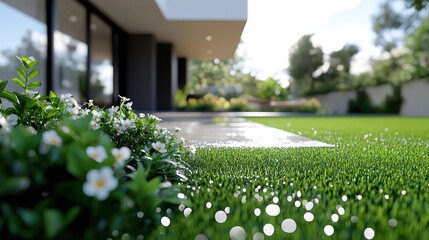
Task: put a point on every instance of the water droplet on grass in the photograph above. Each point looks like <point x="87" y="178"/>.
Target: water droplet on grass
<point x="257" y="212"/>
<point x="272" y="210"/>
<point x="393" y="222"/>
<point x="165" y="221"/>
<point x="208" y="205"/>
<point x="220" y="216"/>
<point x="258" y="236"/>
<point x="341" y="211"/>
<point x="227" y="210"/>
<point x="297" y="204"/>
<point x="275" y="200"/>
<point x="403" y="192"/>
<point x="201" y="237"/>
<point x="268" y="229"/>
<point x="344" y="198"/>
<point x="359" y="197"/>
<point x="329" y="230"/>
<point x="369" y="233"/>
<point x="335" y="217"/>
<point x="187" y="212"/>
<point x="309" y="206"/>
<point x="308" y="216"/>
<point x="289" y="225"/>
<point x="237" y="233"/>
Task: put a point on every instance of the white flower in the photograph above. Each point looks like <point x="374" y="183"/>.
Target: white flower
<point x="177" y="129"/>
<point x="121" y="154"/>
<point x="124" y="99"/>
<point x="12" y="119"/>
<point x="99" y="183"/>
<point x="160" y="147"/>
<point x="97" y="153"/>
<point x="4" y="124"/>
<point x="68" y="100"/>
<point x="127" y="124"/>
<point x="90" y="103"/>
<point x="142" y="115"/>
<point x="51" y="137"/>
<point x="193" y="149"/>
<point x="113" y="110"/>
<point x="94" y="125"/>
<point x="128" y="105"/>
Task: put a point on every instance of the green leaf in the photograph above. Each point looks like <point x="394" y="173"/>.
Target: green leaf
<point x="71" y="215"/>
<point x="33" y="63"/>
<point x="9" y="96"/>
<point x="21" y="73"/>
<point x="33" y="73"/>
<point x="19" y="82"/>
<point x="52" y="221"/>
<point x="14" y="185"/>
<point x="34" y="85"/>
<point x="78" y="163"/>
<point x="25" y="102"/>
<point x="2" y="85"/>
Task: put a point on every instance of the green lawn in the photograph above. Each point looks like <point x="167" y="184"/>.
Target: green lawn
<point x="375" y="180"/>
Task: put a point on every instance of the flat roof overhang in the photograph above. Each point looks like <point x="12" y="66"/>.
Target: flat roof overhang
<point x="198" y="29"/>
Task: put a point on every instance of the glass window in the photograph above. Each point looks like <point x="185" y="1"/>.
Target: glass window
<point x="71" y="50"/>
<point x="101" y="81"/>
<point x="23" y="33"/>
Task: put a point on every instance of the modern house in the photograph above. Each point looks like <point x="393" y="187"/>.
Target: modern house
<point x="99" y="49"/>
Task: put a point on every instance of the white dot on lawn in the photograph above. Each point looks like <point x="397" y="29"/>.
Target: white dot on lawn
<point x="237" y="233"/>
<point x="369" y="233"/>
<point x="257" y="212"/>
<point x="275" y="200"/>
<point x="335" y="217"/>
<point x="187" y="212"/>
<point x="309" y="206"/>
<point x="344" y="198"/>
<point x="272" y="210"/>
<point x="329" y="230"/>
<point x="354" y="219"/>
<point x="297" y="203"/>
<point x="268" y="229"/>
<point x="258" y="236"/>
<point x="393" y="222"/>
<point x="165" y="221"/>
<point x="220" y="216"/>
<point x="208" y="205"/>
<point x="227" y="210"/>
<point x="403" y="192"/>
<point x="289" y="225"/>
<point x="341" y="211"/>
<point x="201" y="237"/>
<point x="308" y="216"/>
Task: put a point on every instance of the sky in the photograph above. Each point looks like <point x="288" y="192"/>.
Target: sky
<point x="273" y="26"/>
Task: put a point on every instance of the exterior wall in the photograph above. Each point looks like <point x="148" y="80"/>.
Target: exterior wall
<point x="415" y="94"/>
<point x="167" y="76"/>
<point x="140" y="81"/>
<point x="336" y="103"/>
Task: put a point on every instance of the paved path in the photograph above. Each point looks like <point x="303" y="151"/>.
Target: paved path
<point x="230" y="130"/>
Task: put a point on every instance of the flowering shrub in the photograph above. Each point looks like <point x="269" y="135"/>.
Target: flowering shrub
<point x="210" y="102"/>
<point x="75" y="171"/>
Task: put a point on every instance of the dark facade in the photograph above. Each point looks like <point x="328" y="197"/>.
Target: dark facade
<point x="84" y="52"/>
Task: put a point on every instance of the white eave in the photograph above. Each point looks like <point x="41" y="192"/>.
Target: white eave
<point x="198" y="29"/>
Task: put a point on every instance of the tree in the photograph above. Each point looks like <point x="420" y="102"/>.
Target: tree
<point x="271" y="88"/>
<point x="419" y="50"/>
<point x="220" y="77"/>
<point x="304" y="60"/>
<point x="338" y="74"/>
<point x="418" y="4"/>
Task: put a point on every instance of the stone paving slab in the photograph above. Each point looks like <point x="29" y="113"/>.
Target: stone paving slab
<point x="230" y="130"/>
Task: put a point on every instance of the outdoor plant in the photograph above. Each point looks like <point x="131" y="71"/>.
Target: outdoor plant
<point x="89" y="172"/>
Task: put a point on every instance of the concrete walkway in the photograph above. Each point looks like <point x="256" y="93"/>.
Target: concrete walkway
<point x="231" y="130"/>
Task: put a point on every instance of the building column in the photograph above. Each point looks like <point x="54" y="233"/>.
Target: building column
<point x="140" y="83"/>
<point x="182" y="70"/>
<point x="167" y="76"/>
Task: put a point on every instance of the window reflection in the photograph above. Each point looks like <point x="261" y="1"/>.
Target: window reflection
<point x="101" y="81"/>
<point x="23" y="33"/>
<point x="71" y="50"/>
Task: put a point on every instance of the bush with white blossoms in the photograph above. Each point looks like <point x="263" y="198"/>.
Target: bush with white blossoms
<point x="71" y="171"/>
